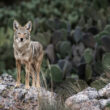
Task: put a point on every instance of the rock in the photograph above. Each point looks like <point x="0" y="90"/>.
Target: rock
<point x="86" y="105"/>
<point x="2" y="87"/>
<point x="85" y="99"/>
<point x="105" y="92"/>
<point x="104" y="102"/>
<point x="90" y="99"/>
<point x="107" y="108"/>
<point x="12" y="98"/>
<point x="90" y="105"/>
<point x="87" y="94"/>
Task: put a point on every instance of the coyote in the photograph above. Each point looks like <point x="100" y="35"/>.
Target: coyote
<point x="27" y="52"/>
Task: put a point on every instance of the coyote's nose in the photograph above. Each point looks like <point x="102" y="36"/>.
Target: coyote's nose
<point x="21" y="39"/>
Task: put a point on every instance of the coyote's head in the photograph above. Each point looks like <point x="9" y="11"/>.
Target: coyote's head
<point x="22" y="33"/>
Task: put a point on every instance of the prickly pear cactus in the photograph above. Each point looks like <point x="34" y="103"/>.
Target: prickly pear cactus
<point x="65" y="48"/>
<point x="88" y="55"/>
<point x="43" y="38"/>
<point x="55" y="73"/>
<point x="88" y="72"/>
<point x="106" y="62"/>
<point x="106" y="31"/>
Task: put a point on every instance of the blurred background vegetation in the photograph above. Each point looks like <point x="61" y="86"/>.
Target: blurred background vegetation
<point x="75" y="35"/>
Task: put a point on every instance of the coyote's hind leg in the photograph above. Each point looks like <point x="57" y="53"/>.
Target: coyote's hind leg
<point x="33" y="75"/>
<point x="38" y="65"/>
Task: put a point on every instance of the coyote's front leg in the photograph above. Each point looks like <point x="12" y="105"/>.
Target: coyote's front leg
<point x="27" y="68"/>
<point x="38" y="76"/>
<point x="18" y="65"/>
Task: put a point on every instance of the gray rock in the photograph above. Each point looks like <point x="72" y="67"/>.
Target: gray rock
<point x="85" y="95"/>
<point x="91" y="93"/>
<point x="85" y="105"/>
<point x="105" y="92"/>
<point x="90" y="105"/>
<point x="13" y="98"/>
<point x="104" y="102"/>
<point x="90" y="99"/>
<point x="2" y="87"/>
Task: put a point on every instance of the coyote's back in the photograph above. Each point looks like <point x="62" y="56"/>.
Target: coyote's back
<point x="27" y="52"/>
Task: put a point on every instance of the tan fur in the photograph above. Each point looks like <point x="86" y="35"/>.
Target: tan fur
<point x="27" y="52"/>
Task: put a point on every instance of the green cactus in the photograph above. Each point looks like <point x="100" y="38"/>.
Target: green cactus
<point x="106" y="61"/>
<point x="59" y="35"/>
<point x="88" y="72"/>
<point x="106" y="31"/>
<point x="56" y="24"/>
<point x="73" y="17"/>
<point x="107" y="28"/>
<point x="88" y="55"/>
<point x="98" y="67"/>
<point x="43" y="38"/>
<point x="100" y="35"/>
<point x="65" y="48"/>
<point x="56" y="73"/>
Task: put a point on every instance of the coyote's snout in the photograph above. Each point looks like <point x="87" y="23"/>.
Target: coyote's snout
<point x="27" y="52"/>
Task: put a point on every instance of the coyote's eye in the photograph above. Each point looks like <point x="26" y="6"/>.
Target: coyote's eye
<point x="19" y="33"/>
<point x="24" y="33"/>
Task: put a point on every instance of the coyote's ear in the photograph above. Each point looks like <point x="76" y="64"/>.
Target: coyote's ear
<point x="28" y="26"/>
<point x="15" y="25"/>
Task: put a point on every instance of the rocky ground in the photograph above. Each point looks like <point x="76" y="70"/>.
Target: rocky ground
<point x="12" y="98"/>
<point x="90" y="99"/>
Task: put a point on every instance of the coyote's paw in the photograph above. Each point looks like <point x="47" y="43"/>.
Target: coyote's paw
<point x="17" y="85"/>
<point x="33" y="85"/>
<point x="27" y="87"/>
<point x="38" y="85"/>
